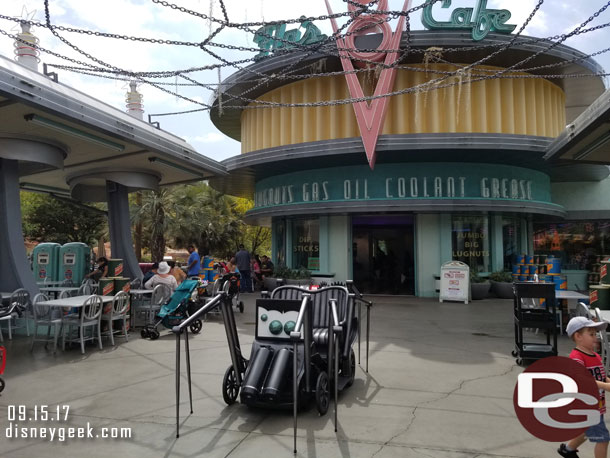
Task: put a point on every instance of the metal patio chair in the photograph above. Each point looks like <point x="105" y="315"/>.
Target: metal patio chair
<point x="21" y="297"/>
<point x="160" y="295"/>
<point x="49" y="317"/>
<point x="117" y="312"/>
<point x="88" y="318"/>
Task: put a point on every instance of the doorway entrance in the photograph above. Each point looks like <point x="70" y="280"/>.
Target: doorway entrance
<point x="383" y="254"/>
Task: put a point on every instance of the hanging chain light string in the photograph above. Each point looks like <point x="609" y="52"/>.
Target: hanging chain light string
<point x="432" y="84"/>
<point x="555" y="44"/>
<point x="91" y="69"/>
<point x="580" y="31"/>
<point x="97" y="71"/>
<point x="89" y="56"/>
<point x="173" y="42"/>
<point x="170" y="42"/>
<point x="314" y="48"/>
<point x="124" y="72"/>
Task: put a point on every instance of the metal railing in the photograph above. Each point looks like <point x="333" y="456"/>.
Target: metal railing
<point x="178" y="330"/>
<point x="303" y="319"/>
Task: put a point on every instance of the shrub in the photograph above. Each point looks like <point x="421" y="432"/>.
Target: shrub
<point x="476" y="278"/>
<point x="501" y="276"/>
<point x="281" y="271"/>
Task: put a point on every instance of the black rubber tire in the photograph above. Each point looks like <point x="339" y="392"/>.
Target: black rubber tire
<point x="154" y="334"/>
<point x="519" y="362"/>
<point x="144" y="333"/>
<point x="2" y="384"/>
<point x="230" y="388"/>
<point x="514" y="353"/>
<point x="349" y="369"/>
<point x="240" y="305"/>
<point x="322" y="393"/>
<point x="196" y="326"/>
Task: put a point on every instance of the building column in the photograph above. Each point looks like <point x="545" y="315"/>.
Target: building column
<point x="119" y="225"/>
<point x="446" y="239"/>
<point x="526" y="231"/>
<point x="26" y="156"/>
<point x="289" y="242"/>
<point x="429" y="255"/>
<point x="497" y="243"/>
<point x="15" y="271"/>
<point x="339" y="243"/>
<point x="324" y="254"/>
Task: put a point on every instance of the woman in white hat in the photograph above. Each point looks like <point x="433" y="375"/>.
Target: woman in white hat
<point x="162" y="277"/>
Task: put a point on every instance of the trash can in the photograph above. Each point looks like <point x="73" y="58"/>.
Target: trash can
<point x="115" y="267"/>
<point x="599" y="296"/>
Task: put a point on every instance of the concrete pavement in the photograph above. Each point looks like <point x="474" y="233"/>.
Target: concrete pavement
<point x="440" y="384"/>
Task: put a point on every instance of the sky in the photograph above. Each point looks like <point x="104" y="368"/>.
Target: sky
<point x="144" y="18"/>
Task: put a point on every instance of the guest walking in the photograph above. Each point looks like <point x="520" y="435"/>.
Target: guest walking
<point x="242" y="258"/>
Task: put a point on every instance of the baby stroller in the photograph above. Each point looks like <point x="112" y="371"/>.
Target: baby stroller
<point x="177" y="309"/>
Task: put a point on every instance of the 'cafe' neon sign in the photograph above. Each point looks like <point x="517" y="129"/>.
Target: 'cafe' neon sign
<point x="479" y="19"/>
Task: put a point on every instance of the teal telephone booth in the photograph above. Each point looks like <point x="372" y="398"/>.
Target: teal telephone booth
<point x="46" y="261"/>
<point x="74" y="261"/>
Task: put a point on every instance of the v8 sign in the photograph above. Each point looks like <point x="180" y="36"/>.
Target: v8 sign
<point x="556" y="399"/>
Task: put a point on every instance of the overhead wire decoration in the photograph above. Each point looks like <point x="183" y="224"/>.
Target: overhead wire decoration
<point x="294" y="70"/>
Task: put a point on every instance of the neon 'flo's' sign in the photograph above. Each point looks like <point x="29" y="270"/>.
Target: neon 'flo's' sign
<point x="272" y="37"/>
<point x="479" y="19"/>
<point x="405" y="182"/>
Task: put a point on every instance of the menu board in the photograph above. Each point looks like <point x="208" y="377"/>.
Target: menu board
<point x="455" y="282"/>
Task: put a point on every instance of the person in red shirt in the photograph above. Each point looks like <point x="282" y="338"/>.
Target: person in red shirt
<point x="583" y="332"/>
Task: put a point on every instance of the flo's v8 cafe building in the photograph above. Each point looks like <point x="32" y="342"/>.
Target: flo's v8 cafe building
<point x="476" y="168"/>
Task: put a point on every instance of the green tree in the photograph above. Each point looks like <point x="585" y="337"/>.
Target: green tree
<point x="196" y="214"/>
<point x="152" y="215"/>
<point x="47" y="219"/>
<point x="256" y="239"/>
<point x="205" y="218"/>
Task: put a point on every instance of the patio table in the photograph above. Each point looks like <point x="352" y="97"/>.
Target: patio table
<point x="570" y="295"/>
<point x="57" y="290"/>
<point x="74" y="301"/>
<point x="49" y="283"/>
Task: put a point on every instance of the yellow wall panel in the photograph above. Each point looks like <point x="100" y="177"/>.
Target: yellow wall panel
<point x="526" y="106"/>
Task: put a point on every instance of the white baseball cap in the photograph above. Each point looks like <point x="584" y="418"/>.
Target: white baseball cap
<point x="579" y="322"/>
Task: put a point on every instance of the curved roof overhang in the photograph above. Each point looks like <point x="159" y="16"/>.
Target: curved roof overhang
<point x="586" y="140"/>
<point x="246" y="169"/>
<point x="263" y="216"/>
<point x="95" y="135"/>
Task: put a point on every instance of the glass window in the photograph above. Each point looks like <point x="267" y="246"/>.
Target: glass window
<point x="579" y="244"/>
<point x="511" y="240"/>
<point x="280" y="242"/>
<point x="306" y="244"/>
<point x="470" y="241"/>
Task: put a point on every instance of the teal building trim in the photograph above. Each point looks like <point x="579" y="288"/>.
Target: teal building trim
<point x="405" y="182"/>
